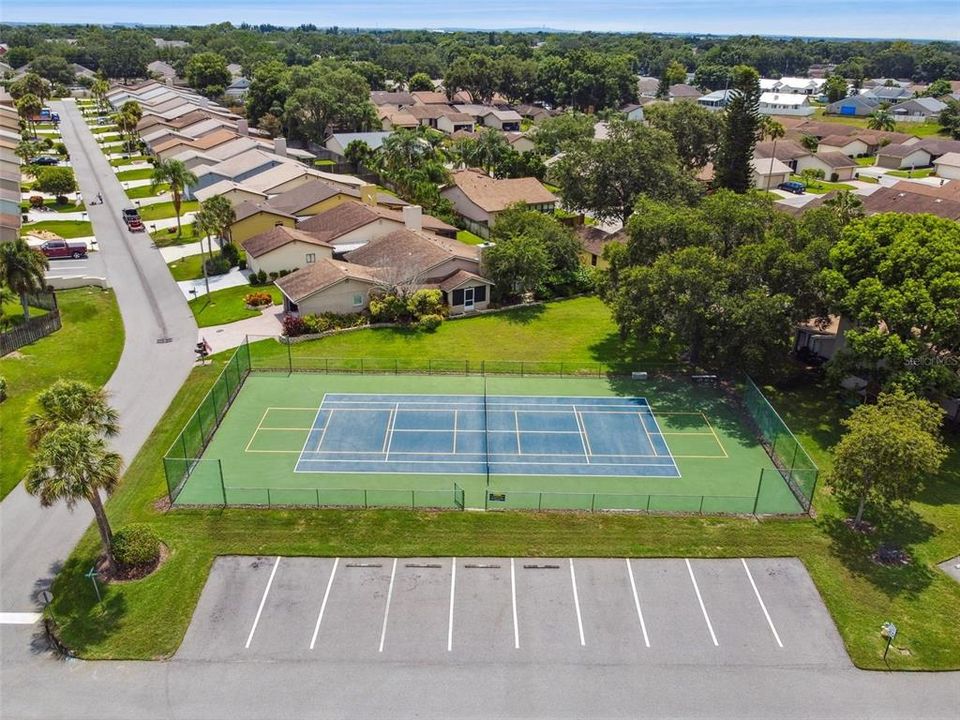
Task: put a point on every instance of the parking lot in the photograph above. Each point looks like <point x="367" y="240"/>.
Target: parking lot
<point x="754" y="611"/>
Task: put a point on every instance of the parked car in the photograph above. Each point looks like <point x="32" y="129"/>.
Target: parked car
<point x="136" y="225"/>
<point x="64" y="249"/>
<point x="44" y="160"/>
<point x="129" y="214"/>
<point x="792" y="186"/>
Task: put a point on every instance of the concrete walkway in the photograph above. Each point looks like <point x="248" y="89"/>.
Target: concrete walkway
<point x="231" y="335"/>
<point x="198" y="288"/>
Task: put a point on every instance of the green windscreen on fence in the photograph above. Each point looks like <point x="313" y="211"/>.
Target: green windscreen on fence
<point x="183" y="458"/>
<point x="793" y="462"/>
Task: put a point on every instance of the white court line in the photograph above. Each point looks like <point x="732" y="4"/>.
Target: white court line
<point x="396" y="409"/>
<point x="453" y="585"/>
<point x="386" y="432"/>
<point x="647" y="435"/>
<point x="456" y="414"/>
<point x="582" y="429"/>
<point x="636" y="601"/>
<point x="254" y="436"/>
<point x="513" y="593"/>
<point x="516" y="422"/>
<point x="323" y="605"/>
<point x="576" y="603"/>
<point x="763" y="607"/>
<point x="386" y="610"/>
<point x="263" y="601"/>
<point x="703" y="607"/>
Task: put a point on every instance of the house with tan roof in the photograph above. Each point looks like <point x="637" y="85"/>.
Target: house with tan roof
<point x="317" y="196"/>
<point x="280" y="178"/>
<point x="328" y="286"/>
<point x="592" y="242"/>
<point x="478" y="198"/>
<point x="237" y="168"/>
<point x="836" y="166"/>
<point x="503" y="120"/>
<point x="452" y="121"/>
<point x="168" y="149"/>
<point x="351" y="224"/>
<point x="767" y="173"/>
<point x="850" y="145"/>
<point x="394" y="118"/>
<point x="913" y="155"/>
<point x="948" y="166"/>
<point x="284" y="248"/>
<point x="255" y="218"/>
<point x="234" y="192"/>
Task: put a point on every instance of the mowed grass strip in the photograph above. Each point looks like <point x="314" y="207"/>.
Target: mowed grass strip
<point x="148" y="618"/>
<point x="63" y="228"/>
<point x="86" y="348"/>
<point x="140" y="174"/>
<point x="163" y="210"/>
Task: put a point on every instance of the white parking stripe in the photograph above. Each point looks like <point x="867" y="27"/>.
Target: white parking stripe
<point x="263" y="600"/>
<point x="576" y="603"/>
<point x="513" y="593"/>
<point x="453" y="585"/>
<point x="386" y="610"/>
<point x="19" y="618"/>
<point x="763" y="607"/>
<point x="323" y="605"/>
<point x="703" y="607"/>
<point x="636" y="601"/>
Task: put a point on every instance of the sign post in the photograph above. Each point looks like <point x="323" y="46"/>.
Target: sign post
<point x="93" y="578"/>
<point x="889" y="631"/>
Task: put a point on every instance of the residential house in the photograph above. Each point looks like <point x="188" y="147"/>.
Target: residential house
<point x="164" y="70"/>
<point x="452" y="121"/>
<point x="632" y="111"/>
<point x="948" y="166"/>
<point x="717" y="100"/>
<point x="235" y="70"/>
<point x="317" y="196"/>
<point x="889" y="94"/>
<point x="282" y="177"/>
<point x="284" y="248"/>
<point x="255" y="218"/>
<point x="592" y="242"/>
<point x="237" y="168"/>
<point x="232" y="191"/>
<point x="520" y="142"/>
<point x="168" y="149"/>
<point x="801" y="86"/>
<point x="851" y="145"/>
<point x="194" y="159"/>
<point x="503" y="120"/>
<point x="237" y="89"/>
<point x="394" y="118"/>
<point x="338" y="142"/>
<point x="328" y="286"/>
<point x="478" y="198"/>
<point x="836" y="166"/>
<point x="819" y="339"/>
<point x="647" y="86"/>
<point x="384" y="97"/>
<point x="918" y="109"/>
<point x="533" y="113"/>
<point x="767" y="173"/>
<point x="786" y="151"/>
<point x="905" y="197"/>
<point x="854" y="106"/>
<point x="778" y="103"/>
<point x="820" y="130"/>
<point x="918" y="154"/>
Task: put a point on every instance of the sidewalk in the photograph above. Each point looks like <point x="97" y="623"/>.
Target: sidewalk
<point x="234" y="278"/>
<point x="231" y="335"/>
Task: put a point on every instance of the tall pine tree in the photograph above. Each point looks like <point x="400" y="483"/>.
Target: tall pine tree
<point x="740" y="132"/>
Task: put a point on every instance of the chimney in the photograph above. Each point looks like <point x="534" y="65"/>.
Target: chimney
<point x="243" y="128"/>
<point x="368" y="195"/>
<point x="280" y="146"/>
<point x="413" y="217"/>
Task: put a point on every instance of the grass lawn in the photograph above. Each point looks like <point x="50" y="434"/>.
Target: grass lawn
<point x="226" y="306"/>
<point x="925" y="129"/>
<point x="165" y="210"/>
<point x="168" y="236"/>
<point x="323" y="163"/>
<point x="119" y="162"/>
<point x="141" y="174"/>
<point x="819" y="187"/>
<point x="145" y="191"/>
<point x="87" y="348"/>
<point x="57" y="207"/>
<point x="107" y="139"/>
<point x="188" y="268"/>
<point x="465" y="236"/>
<point x="64" y="228"/>
<point x="865" y="161"/>
<point x="13" y="312"/>
<point x="100" y="129"/>
<point x="147" y="619"/>
<point x="869" y="179"/>
<point x="918" y="173"/>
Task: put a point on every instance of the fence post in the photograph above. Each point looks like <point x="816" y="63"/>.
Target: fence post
<point x="793" y="460"/>
<point x="756" y="498"/>
<point x="396" y="366"/>
<point x="701" y="505"/>
<point x="648" y="503"/>
<point x="361" y="366"/>
<point x="540" y="501"/>
<point x="289" y="358"/>
<point x="223" y="488"/>
<point x="364" y="498"/>
<point x="593" y="500"/>
<point x="413" y="499"/>
<point x="318" y="496"/>
<point x="269" y="504"/>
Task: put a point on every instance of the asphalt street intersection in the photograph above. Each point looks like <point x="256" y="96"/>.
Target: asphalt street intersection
<point x="752" y="611"/>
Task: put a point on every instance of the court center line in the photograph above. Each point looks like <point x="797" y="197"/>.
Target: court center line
<point x="636" y="602"/>
<point x="323" y="605"/>
<point x="576" y="603"/>
<point x="516" y="422"/>
<point x="390" y="426"/>
<point x="513" y="594"/>
<point x="703" y="607"/>
<point x="582" y="430"/>
<point x="776" y="635"/>
<point x="386" y="609"/>
<point x="263" y="601"/>
<point x="453" y="585"/>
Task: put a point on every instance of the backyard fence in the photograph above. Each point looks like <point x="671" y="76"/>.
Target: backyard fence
<point x="29" y="331"/>
<point x="794" y="464"/>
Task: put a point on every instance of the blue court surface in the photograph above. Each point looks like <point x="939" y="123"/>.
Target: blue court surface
<point x="502" y="435"/>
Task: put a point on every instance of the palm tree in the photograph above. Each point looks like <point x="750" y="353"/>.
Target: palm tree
<point x="74" y="464"/>
<point x="72" y="401"/>
<point x="846" y="206"/>
<point x="175" y="174"/>
<point x="881" y="119"/>
<point x="99" y="90"/>
<point x="26" y="149"/>
<point x="221" y="215"/>
<point x="28" y="108"/>
<point x="770" y="128"/>
<point x="490" y="149"/>
<point x="22" y="270"/>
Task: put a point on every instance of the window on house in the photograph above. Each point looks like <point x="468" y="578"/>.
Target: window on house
<point x="311" y="258"/>
<point x="358" y="299"/>
<point x="457" y="298"/>
<point x="593" y="260"/>
<point x="480" y="294"/>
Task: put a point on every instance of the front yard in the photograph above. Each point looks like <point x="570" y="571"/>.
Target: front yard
<point x="821" y="187"/>
<point x="159" y="211"/>
<point x="227" y="306"/>
<point x="64" y="228"/>
<point x="918" y="173"/>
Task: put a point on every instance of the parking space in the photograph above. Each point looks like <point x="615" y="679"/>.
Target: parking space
<point x="580" y="611"/>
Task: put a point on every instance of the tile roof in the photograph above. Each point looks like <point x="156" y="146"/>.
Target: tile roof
<point x="277" y="237"/>
<point x="493" y="195"/>
<point x="322" y="274"/>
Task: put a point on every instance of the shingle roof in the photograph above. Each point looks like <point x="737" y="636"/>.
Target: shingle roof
<point x="221" y="187"/>
<point x="382" y="97"/>
<point x="459" y="278"/>
<point x="430" y="98"/>
<point x="951" y="158"/>
<point x="684" y="90"/>
<point x="835" y="159"/>
<point x="278" y="175"/>
<point x="277" y="237"/>
<point x="899" y="199"/>
<point x="409" y="249"/>
<point x="317" y="276"/>
<point x="840" y="140"/>
<point x="785" y="150"/>
<point x="248" y="209"/>
<point x="305" y="195"/>
<point x="594" y="239"/>
<point x="493" y="195"/>
<point x="348" y="216"/>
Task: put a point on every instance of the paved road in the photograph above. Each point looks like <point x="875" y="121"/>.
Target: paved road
<point x="34" y="541"/>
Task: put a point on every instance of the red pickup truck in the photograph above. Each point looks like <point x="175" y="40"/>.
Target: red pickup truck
<point x="64" y="249"/>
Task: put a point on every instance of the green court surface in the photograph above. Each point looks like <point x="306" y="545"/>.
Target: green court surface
<point x="250" y="459"/>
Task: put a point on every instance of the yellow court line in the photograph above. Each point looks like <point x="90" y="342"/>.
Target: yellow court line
<point x="311" y="409"/>
<point x="250" y="441"/>
<point x="722" y="448"/>
<point x="700" y="457"/>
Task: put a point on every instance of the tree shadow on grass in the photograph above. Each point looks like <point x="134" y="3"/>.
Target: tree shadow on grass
<point x="524" y="315"/>
<point x="82" y="621"/>
<point x="901" y="527"/>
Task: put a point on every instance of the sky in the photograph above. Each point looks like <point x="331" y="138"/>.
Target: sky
<point x="906" y="19"/>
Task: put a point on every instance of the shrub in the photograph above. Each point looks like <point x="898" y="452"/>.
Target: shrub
<point x="242" y="263"/>
<point x="36" y="201"/>
<point x="3" y="388"/>
<point x="294" y="326"/>
<point x="61" y="149"/>
<point x="254" y="280"/>
<point x="231" y="253"/>
<point x="429" y="323"/>
<point x="425" y="302"/>
<point x="262" y="277"/>
<point x="387" y="308"/>
<point x="217" y="265"/>
<point x="258" y="299"/>
<point x="136" y="545"/>
<point x="274" y="276"/>
<point x="318" y="323"/>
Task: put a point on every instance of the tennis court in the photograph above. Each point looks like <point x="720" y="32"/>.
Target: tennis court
<point x="664" y="444"/>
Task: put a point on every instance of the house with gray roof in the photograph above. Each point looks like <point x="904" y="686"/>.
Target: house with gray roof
<point x="338" y="142"/>
<point x="854" y="106"/>
<point x="918" y="109"/>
